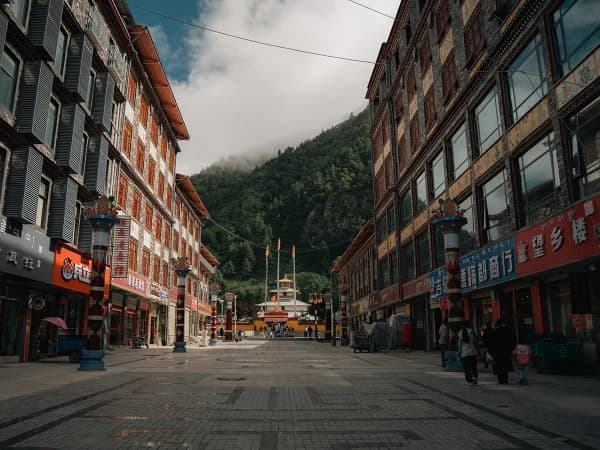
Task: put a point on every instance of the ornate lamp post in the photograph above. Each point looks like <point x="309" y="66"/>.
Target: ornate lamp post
<point x="102" y="218"/>
<point x="450" y="220"/>
<point x="229" y="319"/>
<point x="214" y="291"/>
<point x="182" y="269"/>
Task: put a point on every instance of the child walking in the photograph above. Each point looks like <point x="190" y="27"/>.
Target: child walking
<point x="522" y="353"/>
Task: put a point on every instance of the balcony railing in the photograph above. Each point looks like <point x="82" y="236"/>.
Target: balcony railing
<point x="116" y="63"/>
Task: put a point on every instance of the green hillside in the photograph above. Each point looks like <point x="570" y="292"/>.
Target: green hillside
<point x="315" y="196"/>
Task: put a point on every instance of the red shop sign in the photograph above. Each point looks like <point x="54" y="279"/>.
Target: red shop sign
<point x="563" y="238"/>
<point x="416" y="287"/>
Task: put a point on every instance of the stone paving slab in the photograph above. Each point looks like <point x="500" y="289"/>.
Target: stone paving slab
<point x="289" y="395"/>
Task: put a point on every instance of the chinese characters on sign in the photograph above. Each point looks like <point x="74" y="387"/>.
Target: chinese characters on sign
<point x="561" y="239"/>
<point x="488" y="266"/>
<point x="27" y="255"/>
<point x="120" y="256"/>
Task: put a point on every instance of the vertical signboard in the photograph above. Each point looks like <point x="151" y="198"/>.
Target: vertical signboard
<point x="120" y="254"/>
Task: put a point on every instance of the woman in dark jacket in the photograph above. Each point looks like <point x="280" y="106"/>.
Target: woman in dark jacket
<point x="501" y="344"/>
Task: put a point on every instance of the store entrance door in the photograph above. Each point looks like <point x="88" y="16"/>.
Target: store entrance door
<point x="515" y="307"/>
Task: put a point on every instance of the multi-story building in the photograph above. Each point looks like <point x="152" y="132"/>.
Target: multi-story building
<point x="355" y="275"/>
<point x="189" y="211"/>
<point x="493" y="104"/>
<point x="85" y="110"/>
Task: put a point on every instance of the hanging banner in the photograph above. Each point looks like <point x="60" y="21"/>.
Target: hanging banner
<point x="120" y="254"/>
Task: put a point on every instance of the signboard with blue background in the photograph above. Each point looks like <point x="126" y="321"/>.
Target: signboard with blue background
<point x="493" y="264"/>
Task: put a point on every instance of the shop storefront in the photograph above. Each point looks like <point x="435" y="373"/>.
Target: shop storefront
<point x="560" y="258"/>
<point x="415" y="293"/>
<point x="25" y="279"/>
<point x="133" y="292"/>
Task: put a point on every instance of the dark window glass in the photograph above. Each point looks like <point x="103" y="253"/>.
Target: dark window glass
<point x="408" y="262"/>
<point x="439" y="255"/>
<point x="467" y="232"/>
<point x="391" y="219"/>
<point x="474" y="38"/>
<point x="51" y="124"/>
<point x="77" y="223"/>
<point x="406" y="207"/>
<point x="20" y="9"/>
<point x="540" y="184"/>
<point x="487" y="122"/>
<point x="495" y="213"/>
<point x="577" y="27"/>
<point x="61" y="51"/>
<point x="9" y="74"/>
<point x="393" y="267"/>
<point x="384" y="274"/>
<point x="449" y="77"/>
<point x="585" y="148"/>
<point x="526" y="82"/>
<point x="84" y="149"/>
<point x="424" y="263"/>
<point x="421" y="190"/>
<point x="438" y="175"/>
<point x="381" y="229"/>
<point x="459" y="151"/>
<point x="90" y="93"/>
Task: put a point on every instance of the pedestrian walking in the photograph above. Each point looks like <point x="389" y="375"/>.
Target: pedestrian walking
<point x="467" y="349"/>
<point x="305" y="332"/>
<point x="221" y="332"/>
<point x="443" y="340"/>
<point x="502" y="344"/>
<point x="309" y="332"/>
<point x="486" y="337"/>
<point x="522" y="354"/>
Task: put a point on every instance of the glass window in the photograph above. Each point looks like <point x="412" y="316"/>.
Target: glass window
<point x="9" y="74"/>
<point x="459" y="151"/>
<point x="439" y="255"/>
<point x="89" y="98"/>
<point x="20" y="8"/>
<point x="423" y="260"/>
<point x="540" y="184"/>
<point x="384" y="274"/>
<point x="408" y="262"/>
<point x="391" y="219"/>
<point x="406" y="207"/>
<point x="467" y="232"/>
<point x="487" y="122"/>
<point x="393" y="266"/>
<point x="61" y="51"/>
<point x="577" y="27"/>
<point x="77" y="223"/>
<point x="52" y="123"/>
<point x="421" y="189"/>
<point x="526" y="82"/>
<point x="585" y="149"/>
<point x="381" y="229"/>
<point x="438" y="175"/>
<point x="495" y="213"/>
<point x="41" y="218"/>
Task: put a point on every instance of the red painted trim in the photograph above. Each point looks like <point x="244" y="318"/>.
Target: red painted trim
<point x="536" y="306"/>
<point x="27" y="336"/>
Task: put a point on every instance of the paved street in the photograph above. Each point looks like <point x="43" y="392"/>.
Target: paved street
<point x="288" y="395"/>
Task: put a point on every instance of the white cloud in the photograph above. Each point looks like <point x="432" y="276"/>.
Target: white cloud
<point x="243" y="97"/>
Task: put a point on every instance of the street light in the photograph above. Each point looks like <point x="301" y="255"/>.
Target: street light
<point x="102" y="218"/>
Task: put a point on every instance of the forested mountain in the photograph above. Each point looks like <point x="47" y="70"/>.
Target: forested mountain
<point x="316" y="196"/>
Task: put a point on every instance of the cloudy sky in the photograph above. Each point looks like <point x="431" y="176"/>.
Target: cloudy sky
<point x="238" y="97"/>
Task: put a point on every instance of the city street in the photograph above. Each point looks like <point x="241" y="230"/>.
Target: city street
<point x="288" y="395"/>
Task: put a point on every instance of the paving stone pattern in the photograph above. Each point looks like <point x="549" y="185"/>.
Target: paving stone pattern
<point x="289" y="395"/>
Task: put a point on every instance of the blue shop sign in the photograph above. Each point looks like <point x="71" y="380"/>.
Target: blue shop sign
<point x="488" y="266"/>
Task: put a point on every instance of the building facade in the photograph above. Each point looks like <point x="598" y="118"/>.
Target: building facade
<point x="85" y="110"/>
<point x="493" y="104"/>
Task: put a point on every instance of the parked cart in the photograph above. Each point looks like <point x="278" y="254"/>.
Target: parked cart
<point x="361" y="341"/>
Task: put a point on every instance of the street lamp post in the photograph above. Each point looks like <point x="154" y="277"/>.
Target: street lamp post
<point x="102" y="218"/>
<point x="229" y="322"/>
<point x="182" y="269"/>
<point x="450" y="220"/>
<point x="214" y="291"/>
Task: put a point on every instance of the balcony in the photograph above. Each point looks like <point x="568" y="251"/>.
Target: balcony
<point x="93" y="23"/>
<point x="116" y="63"/>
